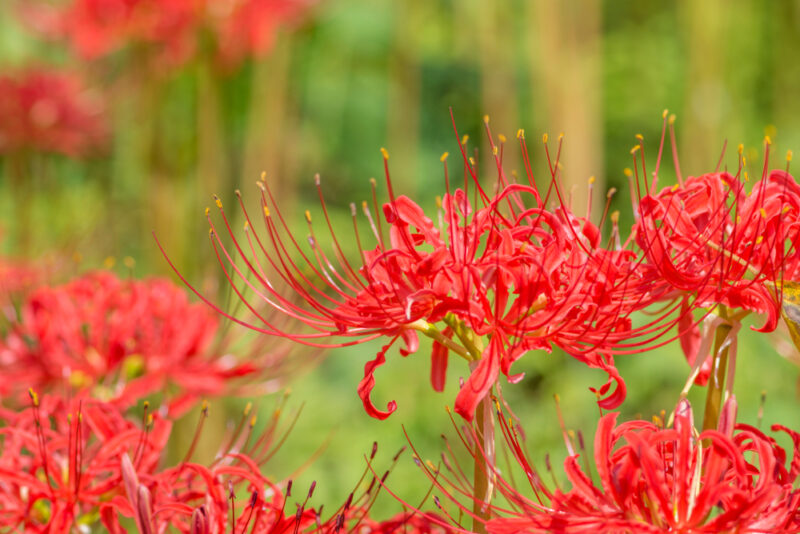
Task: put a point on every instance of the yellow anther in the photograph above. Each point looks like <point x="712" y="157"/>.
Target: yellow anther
<point x="520" y="134"/>
<point x="373" y="182"/>
<point x="246" y="226"/>
<point x="501" y="138"/>
<point x="447" y="409"/>
<point x="611" y="192"/>
<point x="627" y="172"/>
<point x="788" y="155"/>
<point x="486" y="119"/>
<point x="385" y="153"/>
<point x="430" y="465"/>
<point x="217" y="201"/>
<point x="444" y="156"/>
<point x="266" y="212"/>
<point x="635" y="149"/>
<point x="746" y="177"/>
<point x="438" y="202"/>
<point x="741" y="148"/>
<point x="472" y="161"/>
<point x="561" y="136"/>
<point x="738" y="219"/>
<point x="253" y="421"/>
<point x="204" y="406"/>
<point x="640" y="137"/>
<point x="767" y="140"/>
<point x="210" y="232"/>
<point x="591" y="180"/>
<point x="664" y="114"/>
<point x="146" y="405"/>
<point x="557" y="397"/>
<point x="672" y="119"/>
<point x="148" y="423"/>
<point x="545" y="137"/>
<point x="208" y="211"/>
<point x="109" y="262"/>
<point x="785" y="209"/>
<point x="34" y="396"/>
<point x="247" y="408"/>
<point x="363" y="204"/>
<point x="675" y="187"/>
<point x="308" y="217"/>
<point x="494" y="150"/>
<point x="763" y="213"/>
<point x="263" y="175"/>
<point x="759" y="239"/>
<point x="464" y="139"/>
<point x="614" y="216"/>
<point x="129" y="262"/>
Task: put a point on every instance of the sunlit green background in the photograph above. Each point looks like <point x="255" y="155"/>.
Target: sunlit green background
<point x="357" y="75"/>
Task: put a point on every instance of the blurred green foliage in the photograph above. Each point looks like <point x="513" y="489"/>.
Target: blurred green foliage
<point x="357" y="75"/>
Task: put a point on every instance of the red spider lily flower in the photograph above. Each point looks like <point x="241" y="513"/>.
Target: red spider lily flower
<point x="713" y="244"/>
<point x="247" y="28"/>
<point x="49" y="111"/>
<point x="99" y="28"/>
<point x="59" y="461"/>
<point x="655" y="479"/>
<point x="489" y="283"/>
<point x="121" y="339"/>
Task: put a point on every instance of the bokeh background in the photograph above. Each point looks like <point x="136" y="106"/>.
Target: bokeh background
<point x="174" y="115"/>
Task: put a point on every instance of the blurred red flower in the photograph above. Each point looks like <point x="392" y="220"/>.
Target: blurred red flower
<point x="120" y="339"/>
<point x="49" y="111"/>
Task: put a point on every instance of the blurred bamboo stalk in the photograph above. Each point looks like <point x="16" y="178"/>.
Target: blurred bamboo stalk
<point x="403" y="113"/>
<point x="499" y="89"/>
<point x="706" y="95"/>
<point x="569" y="41"/>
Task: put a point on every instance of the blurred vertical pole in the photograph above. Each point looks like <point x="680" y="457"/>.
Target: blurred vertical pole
<point x="404" y="94"/>
<point x="699" y="139"/>
<point x="498" y="83"/>
<point x="266" y="145"/>
<point x="568" y="70"/>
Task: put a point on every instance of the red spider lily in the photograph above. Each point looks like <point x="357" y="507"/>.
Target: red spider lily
<point x="247" y="28"/>
<point x="48" y="111"/>
<point x="59" y="461"/>
<point x="98" y="28"/>
<point x="122" y="339"/>
<point x="655" y="479"/>
<point x="712" y="243"/>
<point x="491" y="282"/>
<point x="169" y="31"/>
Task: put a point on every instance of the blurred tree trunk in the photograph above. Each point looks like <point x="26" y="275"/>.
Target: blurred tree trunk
<point x="568" y="71"/>
<point x="404" y="96"/>
<point x="700" y="140"/>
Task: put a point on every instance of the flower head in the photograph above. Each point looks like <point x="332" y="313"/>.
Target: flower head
<point x="49" y="111"/>
<point x="656" y="479"/>
<point x="121" y="339"/>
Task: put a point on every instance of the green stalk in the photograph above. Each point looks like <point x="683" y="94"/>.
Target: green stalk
<point x="481" y="480"/>
<point x="716" y="382"/>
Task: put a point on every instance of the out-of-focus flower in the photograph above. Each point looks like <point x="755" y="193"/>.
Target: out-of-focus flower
<point x="120" y="339"/>
<point x="168" y="32"/>
<point x="490" y="282"/>
<point x="247" y="28"/>
<point x="59" y="461"/>
<point x="655" y="479"/>
<point x="49" y="111"/>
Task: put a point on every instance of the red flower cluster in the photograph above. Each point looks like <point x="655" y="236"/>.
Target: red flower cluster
<point x="49" y="112"/>
<point x="654" y="479"/>
<point x="491" y="282"/>
<point x="170" y="31"/>
<point x="120" y="339"/>
<point x="59" y="461"/>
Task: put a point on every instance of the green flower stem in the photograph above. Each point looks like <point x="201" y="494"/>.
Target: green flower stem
<point x="484" y="451"/>
<point x="716" y="382"/>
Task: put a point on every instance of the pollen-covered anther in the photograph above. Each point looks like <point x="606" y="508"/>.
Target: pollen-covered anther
<point x="308" y="216"/>
<point x="217" y="201"/>
<point x="486" y="119"/>
<point x="385" y="153"/>
<point x="520" y="134"/>
<point x="501" y="138"/>
<point x="464" y="139"/>
<point x="788" y="155"/>
<point x="444" y="156"/>
<point x="664" y="114"/>
<point x="545" y="137"/>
